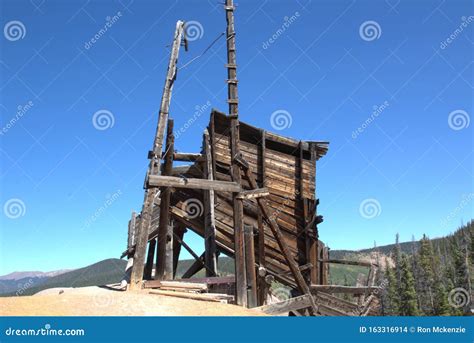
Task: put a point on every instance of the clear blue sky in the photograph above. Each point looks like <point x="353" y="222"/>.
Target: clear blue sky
<point x="322" y="67"/>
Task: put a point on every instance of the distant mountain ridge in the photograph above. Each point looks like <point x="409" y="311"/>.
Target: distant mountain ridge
<point x="33" y="274"/>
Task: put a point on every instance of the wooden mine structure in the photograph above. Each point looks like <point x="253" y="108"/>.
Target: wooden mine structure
<point x="251" y="194"/>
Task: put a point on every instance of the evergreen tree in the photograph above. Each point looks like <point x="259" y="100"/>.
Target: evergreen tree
<point x="442" y="307"/>
<point x="408" y="297"/>
<point x="425" y="276"/>
<point x="392" y="299"/>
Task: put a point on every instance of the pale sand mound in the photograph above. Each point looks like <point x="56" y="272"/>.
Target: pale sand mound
<point x="96" y="301"/>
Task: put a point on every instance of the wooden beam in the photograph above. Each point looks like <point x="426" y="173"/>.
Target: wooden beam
<point x="191" y="251"/>
<point x="188" y="157"/>
<point x="292" y="304"/>
<point x="344" y="289"/>
<point x="250" y="266"/>
<point x="194" y="268"/>
<point x="214" y="297"/>
<point x="172" y="181"/>
<point x="154" y="166"/>
<point x="351" y="263"/>
<point x="302" y="285"/>
<point x="253" y="194"/>
<point x="164" y="239"/>
<point x="177" y="284"/>
<point x="210" y="257"/>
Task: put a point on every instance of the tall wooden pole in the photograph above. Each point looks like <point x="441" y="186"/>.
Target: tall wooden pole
<point x="164" y="238"/>
<point x="154" y="166"/>
<point x="240" y="274"/>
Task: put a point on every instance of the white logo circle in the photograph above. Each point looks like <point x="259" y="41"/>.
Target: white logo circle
<point x="194" y="30"/>
<point x="458" y="297"/>
<point x="103" y="120"/>
<point x="370" y="30"/>
<point x="14" y="30"/>
<point x="370" y="208"/>
<point x="281" y="119"/>
<point x="194" y="208"/>
<point x="458" y="120"/>
<point x="14" y="208"/>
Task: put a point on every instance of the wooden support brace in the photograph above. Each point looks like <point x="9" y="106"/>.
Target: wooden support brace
<point x="192" y="183"/>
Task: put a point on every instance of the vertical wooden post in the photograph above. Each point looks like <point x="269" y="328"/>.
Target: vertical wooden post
<point x="263" y="285"/>
<point x="150" y="259"/>
<point x="169" y="262"/>
<point x="240" y="276"/>
<point x="312" y="247"/>
<point x="210" y="256"/>
<point x="250" y="266"/>
<point x="164" y="222"/>
<point x="154" y="166"/>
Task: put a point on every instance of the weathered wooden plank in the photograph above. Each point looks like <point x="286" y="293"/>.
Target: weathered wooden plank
<point x="253" y="194"/>
<point x="176" y="284"/>
<point x="188" y="157"/>
<point x="348" y="262"/>
<point x="172" y="181"/>
<point x="344" y="289"/>
<point x="214" y="297"/>
<point x="285" y="306"/>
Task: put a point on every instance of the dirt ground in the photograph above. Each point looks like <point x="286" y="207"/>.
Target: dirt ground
<point x="96" y="301"/>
